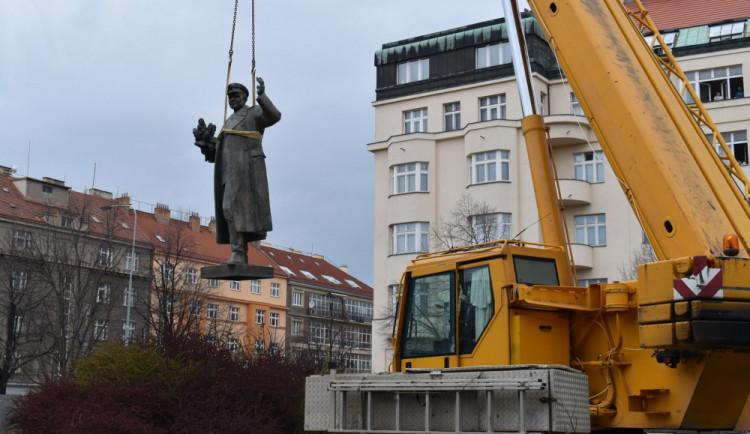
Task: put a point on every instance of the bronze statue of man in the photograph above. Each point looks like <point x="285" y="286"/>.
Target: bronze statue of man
<point x="243" y="208"/>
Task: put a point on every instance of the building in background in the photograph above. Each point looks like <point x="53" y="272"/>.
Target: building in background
<point x="448" y="148"/>
<point x="330" y="312"/>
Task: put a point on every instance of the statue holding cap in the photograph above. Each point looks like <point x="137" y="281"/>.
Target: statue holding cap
<point x="243" y="208"/>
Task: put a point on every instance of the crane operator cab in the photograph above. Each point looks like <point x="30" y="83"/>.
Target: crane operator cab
<point x="463" y="308"/>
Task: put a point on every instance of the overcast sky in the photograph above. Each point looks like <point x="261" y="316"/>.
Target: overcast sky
<point x="120" y="84"/>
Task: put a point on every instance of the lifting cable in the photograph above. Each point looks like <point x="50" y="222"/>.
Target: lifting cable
<point x="231" y="52"/>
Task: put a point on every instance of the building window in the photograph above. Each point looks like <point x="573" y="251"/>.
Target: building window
<point x="296" y="298"/>
<point x="275" y="289"/>
<point x="393" y="302"/>
<point x="167" y="272"/>
<point x="19" y="279"/>
<point x="493" y="55"/>
<point x="128" y="330"/>
<point x="589" y="166"/>
<point x="234" y="314"/>
<point x="297" y="328"/>
<point x="273" y="319"/>
<point x="131" y="261"/>
<point x="490" y="227"/>
<point x="100" y="330"/>
<point x="492" y="107"/>
<point x="452" y="116"/>
<point x="260" y="347"/>
<point x="191" y="275"/>
<point x="409" y="178"/>
<point x="67" y="222"/>
<point x="490" y="166"/>
<point x="410" y="237"/>
<point x="542" y="103"/>
<point x="213" y="283"/>
<point x="102" y="293"/>
<point x="234" y="285"/>
<point x="716" y="84"/>
<point x="358" y="362"/>
<point x="737" y="143"/>
<point x="125" y="297"/>
<point x="21" y="240"/>
<point x="260" y="316"/>
<point x="255" y="286"/>
<point x="47" y="189"/>
<point x="591" y="230"/>
<point x="414" y="70"/>
<point x="725" y="32"/>
<point x="415" y="121"/>
<point x="669" y="39"/>
<point x="105" y="257"/>
<point x="233" y="345"/>
<point x="575" y="105"/>
<point x="195" y="307"/>
<point x="273" y="349"/>
<point x="358" y="310"/>
<point x="212" y="311"/>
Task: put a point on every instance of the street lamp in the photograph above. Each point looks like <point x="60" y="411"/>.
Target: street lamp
<point x="128" y="299"/>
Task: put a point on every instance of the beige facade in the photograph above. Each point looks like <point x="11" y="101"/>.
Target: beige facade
<point x="608" y="233"/>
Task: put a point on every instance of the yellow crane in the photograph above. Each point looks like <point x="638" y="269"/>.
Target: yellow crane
<point x="670" y="350"/>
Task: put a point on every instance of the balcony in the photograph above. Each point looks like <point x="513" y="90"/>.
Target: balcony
<point x="575" y="192"/>
<point x="583" y="256"/>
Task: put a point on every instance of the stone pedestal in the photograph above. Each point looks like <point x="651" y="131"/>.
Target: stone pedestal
<point x="236" y="272"/>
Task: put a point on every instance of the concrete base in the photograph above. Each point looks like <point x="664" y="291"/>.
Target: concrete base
<point x="236" y="272"/>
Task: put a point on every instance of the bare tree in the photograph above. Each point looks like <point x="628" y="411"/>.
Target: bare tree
<point x="644" y="254"/>
<point x="468" y="222"/>
<point x="177" y="295"/>
<point x="57" y="278"/>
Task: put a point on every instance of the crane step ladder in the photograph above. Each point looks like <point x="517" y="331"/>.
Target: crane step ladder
<point x="522" y="398"/>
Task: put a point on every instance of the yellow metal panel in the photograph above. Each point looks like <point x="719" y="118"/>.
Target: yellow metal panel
<point x="539" y="337"/>
<point x="736" y="278"/>
<point x="655" y="313"/>
<point x="682" y="331"/>
<point x="656" y="335"/>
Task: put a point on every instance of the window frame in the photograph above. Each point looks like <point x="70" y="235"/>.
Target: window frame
<point x="732" y="138"/>
<point x="502" y="226"/>
<point x="234" y="313"/>
<point x="129" y="261"/>
<point x="415" y="121"/>
<point x="490" y="111"/>
<point x="273" y="319"/>
<point x="234" y="285"/>
<point x="21" y="240"/>
<point x="260" y="316"/>
<point x="301" y="298"/>
<point x="496" y="161"/>
<point x="452" y="116"/>
<point x="191" y="275"/>
<point x="585" y="160"/>
<point x="420" y="232"/>
<point x="298" y="328"/>
<point x="413" y="177"/>
<point x="275" y="289"/>
<point x="212" y="311"/>
<point x="100" y="329"/>
<point x="103" y="293"/>
<point x="255" y="286"/>
<point x="585" y="224"/>
<point x="412" y="71"/>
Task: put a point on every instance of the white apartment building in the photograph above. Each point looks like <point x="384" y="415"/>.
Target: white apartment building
<point x="448" y="129"/>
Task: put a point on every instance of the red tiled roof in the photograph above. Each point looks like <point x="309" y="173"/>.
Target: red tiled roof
<point x="15" y="206"/>
<point x="318" y="267"/>
<point x="674" y="14"/>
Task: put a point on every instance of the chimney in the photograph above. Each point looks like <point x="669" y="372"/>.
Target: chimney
<point x="212" y="225"/>
<point x="195" y="222"/>
<point x="123" y="200"/>
<point x="344" y="268"/>
<point x="317" y="256"/>
<point x="161" y="213"/>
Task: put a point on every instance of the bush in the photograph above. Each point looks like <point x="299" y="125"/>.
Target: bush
<point x="182" y="386"/>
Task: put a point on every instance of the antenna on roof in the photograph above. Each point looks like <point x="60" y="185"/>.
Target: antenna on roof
<point x="28" y="159"/>
<point x="93" y="181"/>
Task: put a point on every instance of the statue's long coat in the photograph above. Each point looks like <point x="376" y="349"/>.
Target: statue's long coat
<point x="240" y="183"/>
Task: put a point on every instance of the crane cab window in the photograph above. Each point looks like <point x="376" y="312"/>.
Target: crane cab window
<point x="535" y="271"/>
<point x="475" y="306"/>
<point x="429" y="327"/>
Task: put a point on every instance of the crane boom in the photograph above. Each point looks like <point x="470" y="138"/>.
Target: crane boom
<point x="685" y="201"/>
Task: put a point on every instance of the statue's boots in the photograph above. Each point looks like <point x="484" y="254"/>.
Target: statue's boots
<point x="239" y="247"/>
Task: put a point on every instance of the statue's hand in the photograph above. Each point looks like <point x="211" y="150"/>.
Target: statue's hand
<point x="261" y="86"/>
